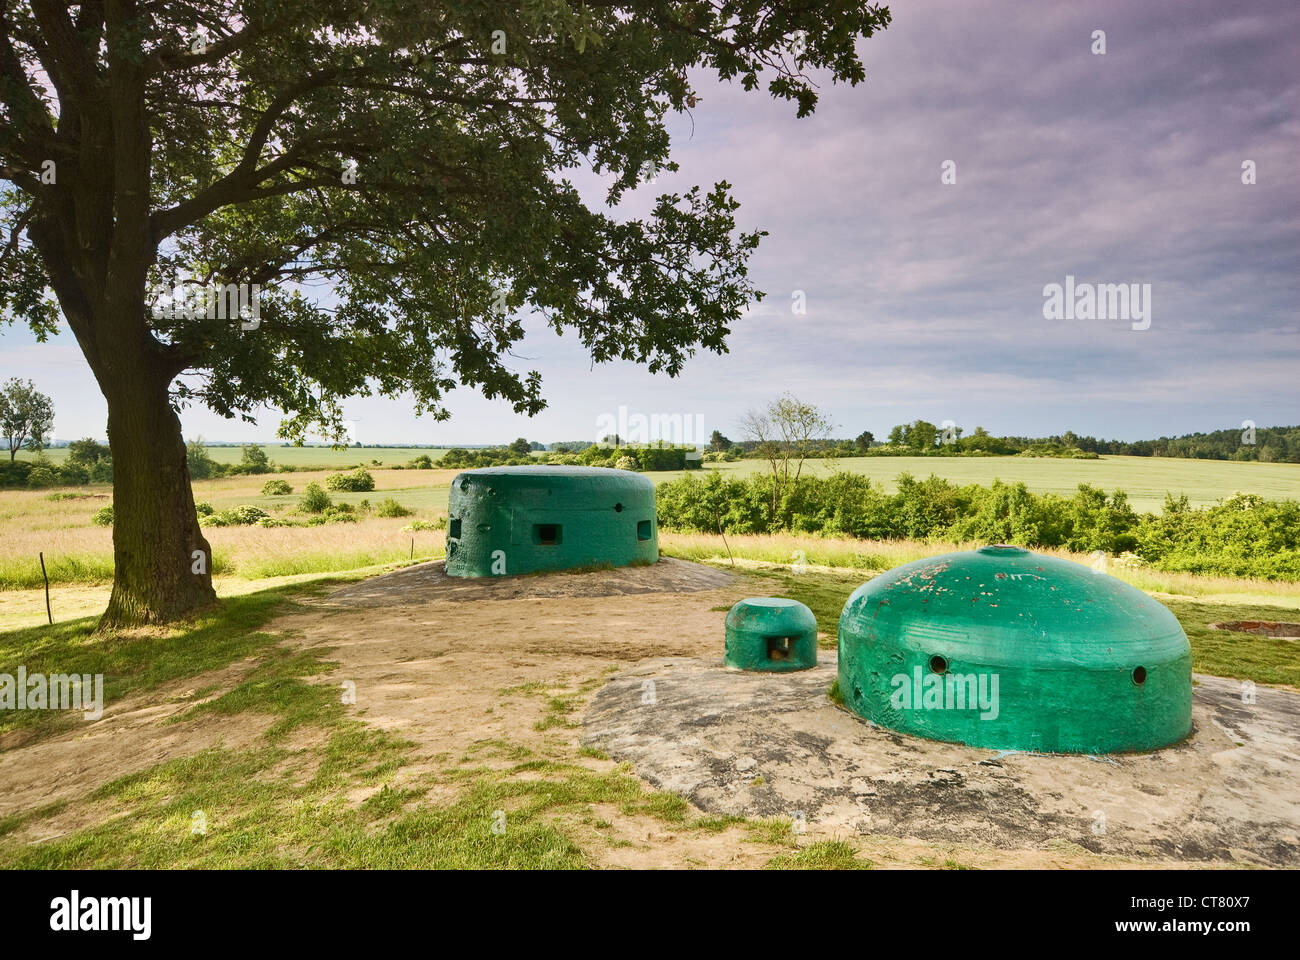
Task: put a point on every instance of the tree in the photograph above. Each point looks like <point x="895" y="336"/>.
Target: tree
<point x="26" y="416"/>
<point x="718" y="443"/>
<point x="183" y="175"/>
<point x="922" y="435"/>
<point x="521" y="448"/>
<point x="87" y="452"/>
<point x="786" y="430"/>
<point x="865" y="439"/>
<point x="201" y="464"/>
<point x="253" y="459"/>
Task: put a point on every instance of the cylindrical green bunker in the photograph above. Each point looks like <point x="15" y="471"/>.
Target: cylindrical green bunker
<point x="1004" y="648"/>
<point x="770" y="633"/>
<point x="510" y="520"/>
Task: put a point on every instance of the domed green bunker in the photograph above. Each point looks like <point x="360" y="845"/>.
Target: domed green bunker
<point x="1004" y="648"/>
<point x="510" y="520"/>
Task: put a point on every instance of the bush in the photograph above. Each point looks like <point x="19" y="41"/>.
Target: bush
<point x="422" y="462"/>
<point x="73" y="474"/>
<point x="42" y="477"/>
<point x="203" y="508"/>
<point x="103" y="517"/>
<point x="314" y="499"/>
<point x="626" y="463"/>
<point x="388" y="507"/>
<point x="241" y="516"/>
<point x="276" y="488"/>
<point x="1243" y="536"/>
<point x="415" y="526"/>
<point x="14" y="473"/>
<point x="358" y="481"/>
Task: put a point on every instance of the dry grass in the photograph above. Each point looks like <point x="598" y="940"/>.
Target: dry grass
<point x="79" y="552"/>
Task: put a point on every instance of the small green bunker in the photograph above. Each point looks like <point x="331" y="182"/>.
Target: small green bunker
<point x="1003" y="648"/>
<point x="511" y="520"/>
<point x="770" y="633"/>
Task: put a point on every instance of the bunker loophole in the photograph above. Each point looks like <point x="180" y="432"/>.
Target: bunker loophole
<point x="1139" y="675"/>
<point x="778" y="648"/>
<point x="618" y="508"/>
<point x="643" y="530"/>
<point x="547" y="534"/>
<point x="453" y="529"/>
<point x="938" y="664"/>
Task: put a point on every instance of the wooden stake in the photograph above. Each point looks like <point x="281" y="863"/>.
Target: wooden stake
<point x="48" y="615"/>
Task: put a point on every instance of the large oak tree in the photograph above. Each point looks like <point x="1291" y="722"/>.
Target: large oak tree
<point x="391" y="173"/>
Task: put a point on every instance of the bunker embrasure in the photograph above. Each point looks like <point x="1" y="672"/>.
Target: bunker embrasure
<point x="1004" y="648"/>
<point x="511" y="520"/>
<point x="770" y="633"/>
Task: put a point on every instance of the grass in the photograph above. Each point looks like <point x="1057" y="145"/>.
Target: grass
<point x="78" y="552"/>
<point x="337" y="793"/>
<point x="135" y="662"/>
<point x="821" y="855"/>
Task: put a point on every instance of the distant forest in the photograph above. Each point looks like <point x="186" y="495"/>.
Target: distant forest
<point x="921" y="438"/>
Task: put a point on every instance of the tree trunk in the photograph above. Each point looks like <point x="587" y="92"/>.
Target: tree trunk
<point x="162" y="562"/>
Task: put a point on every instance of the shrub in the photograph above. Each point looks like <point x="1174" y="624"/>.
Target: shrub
<point x="14" y="473"/>
<point x="314" y="499"/>
<point x="203" y="508"/>
<point x="358" y="481"/>
<point x="415" y="526"/>
<point x="388" y="507"/>
<point x="276" y="488"/>
<point x="73" y="474"/>
<point x="103" y="517"/>
<point x="41" y="477"/>
<point x="241" y="516"/>
<point x="626" y="463"/>
<point x="422" y="462"/>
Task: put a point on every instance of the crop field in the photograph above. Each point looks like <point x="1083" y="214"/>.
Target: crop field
<point x="305" y="456"/>
<point x="1145" y="479"/>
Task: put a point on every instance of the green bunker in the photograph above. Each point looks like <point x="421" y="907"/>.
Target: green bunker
<point x="770" y="633"/>
<point x="1012" y="650"/>
<point x="513" y="520"/>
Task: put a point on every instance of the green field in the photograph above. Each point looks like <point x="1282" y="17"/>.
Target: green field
<point x="309" y="456"/>
<point x="1145" y="479"/>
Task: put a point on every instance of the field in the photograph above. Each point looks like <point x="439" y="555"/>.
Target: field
<point x="306" y="456"/>
<point x="78" y="554"/>
<point x="1146" y="480"/>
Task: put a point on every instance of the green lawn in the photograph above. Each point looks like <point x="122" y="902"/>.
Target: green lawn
<point x="1144" y="479"/>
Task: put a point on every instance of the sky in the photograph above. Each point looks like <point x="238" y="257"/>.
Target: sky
<point x="924" y="298"/>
